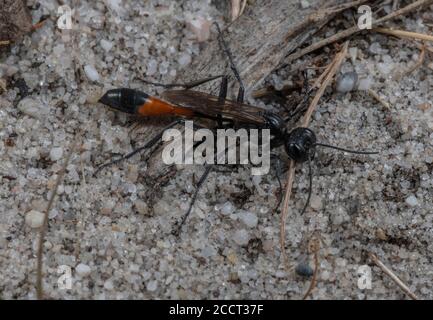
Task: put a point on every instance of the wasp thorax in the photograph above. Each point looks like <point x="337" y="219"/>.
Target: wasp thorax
<point x="300" y="144"/>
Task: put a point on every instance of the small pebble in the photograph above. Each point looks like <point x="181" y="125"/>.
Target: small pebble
<point x="248" y="218"/>
<point x="412" y="201"/>
<point x="385" y="68"/>
<point x="381" y="235"/>
<point x="115" y="6"/>
<point x="141" y="207"/>
<point x="7" y="71"/>
<point x="227" y="208"/>
<point x="201" y="28"/>
<point x="109" y="285"/>
<point x="105" y="211"/>
<point x="152" y="67"/>
<point x="424" y="106"/>
<point x="83" y="270"/>
<point x="34" y="219"/>
<point x="340" y="262"/>
<point x="184" y="59"/>
<point x="365" y="84"/>
<point x="305" y="4"/>
<point x="303" y="269"/>
<point x="375" y="48"/>
<point x="232" y="257"/>
<point x="152" y="285"/>
<point x="33" y="108"/>
<point x="106" y="45"/>
<point x="56" y="153"/>
<point x="132" y="174"/>
<point x="347" y="82"/>
<point x="316" y="203"/>
<point x="3" y="85"/>
<point x="268" y="245"/>
<point x="91" y="73"/>
<point x="241" y="237"/>
<point x="93" y="94"/>
<point x="353" y="53"/>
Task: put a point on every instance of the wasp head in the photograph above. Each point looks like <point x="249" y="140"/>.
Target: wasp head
<point x="300" y="144"/>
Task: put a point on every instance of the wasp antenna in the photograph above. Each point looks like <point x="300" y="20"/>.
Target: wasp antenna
<point x="344" y="150"/>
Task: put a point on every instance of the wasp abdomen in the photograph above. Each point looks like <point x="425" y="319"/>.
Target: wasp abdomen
<point x="138" y="102"/>
<point x="124" y="99"/>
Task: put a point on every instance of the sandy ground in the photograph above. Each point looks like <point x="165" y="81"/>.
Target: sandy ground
<point x="114" y="230"/>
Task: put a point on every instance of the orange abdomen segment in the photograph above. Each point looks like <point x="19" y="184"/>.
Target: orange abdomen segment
<point x="157" y="107"/>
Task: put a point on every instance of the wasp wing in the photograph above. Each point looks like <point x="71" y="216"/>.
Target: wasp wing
<point x="208" y="106"/>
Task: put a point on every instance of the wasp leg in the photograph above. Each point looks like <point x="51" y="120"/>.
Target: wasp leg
<point x="222" y="97"/>
<point x="241" y="93"/>
<point x="310" y="187"/>
<point x="278" y="172"/>
<point x="223" y="90"/>
<point x="148" y="145"/>
<point x="195" y="126"/>
<point x="177" y="229"/>
<point x="200" y="183"/>
<point x="187" y="85"/>
<point x="224" y="47"/>
<point x="155" y="140"/>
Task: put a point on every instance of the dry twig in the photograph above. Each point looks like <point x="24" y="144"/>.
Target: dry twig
<point x="348" y="5"/>
<point x="237" y="8"/>
<point x="427" y="48"/>
<point x="392" y="275"/>
<point x="327" y="76"/>
<point x="405" y="34"/>
<point x="313" y="247"/>
<point x="417" y="65"/>
<point x="43" y="229"/>
<point x="3" y="86"/>
<point x="317" y="16"/>
<point x="379" y="99"/>
<point x="355" y="29"/>
<point x="285" y="212"/>
<point x="280" y="33"/>
<point x="331" y="71"/>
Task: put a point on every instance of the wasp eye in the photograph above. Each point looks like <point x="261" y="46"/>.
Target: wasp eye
<point x="295" y="150"/>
